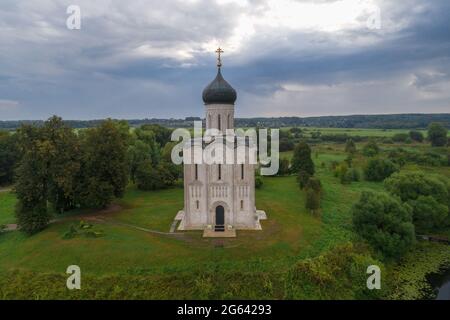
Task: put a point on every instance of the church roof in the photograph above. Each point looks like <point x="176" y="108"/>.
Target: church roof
<point x="219" y="91"/>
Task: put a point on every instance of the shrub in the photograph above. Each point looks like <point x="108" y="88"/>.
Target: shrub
<point x="379" y="169"/>
<point x="302" y="178"/>
<point x="301" y="160"/>
<point x="385" y="223"/>
<point x="428" y="213"/>
<point x="416" y="136"/>
<point x="350" y="146"/>
<point x="437" y="134"/>
<point x="400" y="137"/>
<point x="371" y="149"/>
<point x="340" y="273"/>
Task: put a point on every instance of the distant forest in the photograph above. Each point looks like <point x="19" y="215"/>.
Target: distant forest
<point x="392" y="121"/>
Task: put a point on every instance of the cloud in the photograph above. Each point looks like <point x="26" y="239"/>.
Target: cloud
<point x="152" y="58"/>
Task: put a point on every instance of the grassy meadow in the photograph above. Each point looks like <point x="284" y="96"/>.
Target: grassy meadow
<point x="137" y="257"/>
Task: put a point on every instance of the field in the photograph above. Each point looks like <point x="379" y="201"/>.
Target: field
<point x="136" y="244"/>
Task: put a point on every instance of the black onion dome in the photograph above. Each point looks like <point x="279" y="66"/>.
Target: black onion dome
<point x="219" y="91"/>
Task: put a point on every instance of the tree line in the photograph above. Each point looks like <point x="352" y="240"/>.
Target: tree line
<point x="55" y="168"/>
<point x="393" y="121"/>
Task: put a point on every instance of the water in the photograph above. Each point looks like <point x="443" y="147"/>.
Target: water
<point x="441" y="284"/>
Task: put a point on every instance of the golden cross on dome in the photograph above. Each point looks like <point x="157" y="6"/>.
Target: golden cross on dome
<point x="219" y="61"/>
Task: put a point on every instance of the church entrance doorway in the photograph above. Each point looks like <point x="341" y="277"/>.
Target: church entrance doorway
<point x="220" y="219"/>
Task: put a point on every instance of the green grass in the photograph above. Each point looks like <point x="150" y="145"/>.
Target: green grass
<point x="186" y="265"/>
<point x="7" y="204"/>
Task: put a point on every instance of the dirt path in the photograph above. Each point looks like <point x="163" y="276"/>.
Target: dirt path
<point x="5" y="190"/>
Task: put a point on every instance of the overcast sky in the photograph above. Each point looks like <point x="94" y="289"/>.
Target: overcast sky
<point x="145" y="59"/>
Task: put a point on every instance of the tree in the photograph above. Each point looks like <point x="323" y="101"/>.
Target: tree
<point x="411" y="185"/>
<point x="371" y="149"/>
<point x="313" y="194"/>
<point x="63" y="163"/>
<point x="379" y="169"/>
<point x="302" y="178"/>
<point x="428" y="196"/>
<point x="437" y="134"/>
<point x="32" y="181"/>
<point x="138" y="152"/>
<point x="385" y="223"/>
<point x="9" y="155"/>
<point x="350" y="146"/>
<point x="416" y="136"/>
<point x="301" y="160"/>
<point x="428" y="213"/>
<point x="104" y="164"/>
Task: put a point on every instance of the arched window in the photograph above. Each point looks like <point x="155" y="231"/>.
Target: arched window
<point x="242" y="171"/>
<point x="196" y="172"/>
<point x="242" y="204"/>
<point x="229" y="122"/>
<point x="218" y="123"/>
<point x="220" y="172"/>
<point x="197" y="203"/>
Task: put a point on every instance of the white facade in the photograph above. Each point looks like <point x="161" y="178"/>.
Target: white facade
<point x="219" y="197"/>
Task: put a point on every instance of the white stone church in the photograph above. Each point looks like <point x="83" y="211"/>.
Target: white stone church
<point x="220" y="198"/>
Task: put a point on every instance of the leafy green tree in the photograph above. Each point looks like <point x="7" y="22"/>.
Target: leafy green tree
<point x="350" y="146"/>
<point x="416" y="136"/>
<point x="312" y="202"/>
<point x="371" y="149"/>
<point x="138" y="152"/>
<point x="385" y="222"/>
<point x="302" y="178"/>
<point x="428" y="213"/>
<point x="63" y="163"/>
<point x="400" y="137"/>
<point x="313" y="194"/>
<point x="105" y="164"/>
<point x="32" y="181"/>
<point x="301" y="160"/>
<point x="437" y="134"/>
<point x="411" y="185"/>
<point x="147" y="177"/>
<point x="379" y="169"/>
<point x="9" y="156"/>
<point x="428" y="196"/>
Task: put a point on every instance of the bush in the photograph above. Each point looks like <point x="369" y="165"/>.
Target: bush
<point x="379" y="169"/>
<point x="416" y="136"/>
<point x="302" y="178"/>
<point x="437" y="134"/>
<point x="428" y="213"/>
<point x="34" y="219"/>
<point x="385" y="223"/>
<point x="371" y="149"/>
<point x="340" y="273"/>
<point x="428" y="197"/>
<point x="350" y="146"/>
<point x="301" y="160"/>
<point x="400" y="137"/>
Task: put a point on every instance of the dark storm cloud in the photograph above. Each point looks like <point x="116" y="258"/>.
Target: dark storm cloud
<point x="152" y="59"/>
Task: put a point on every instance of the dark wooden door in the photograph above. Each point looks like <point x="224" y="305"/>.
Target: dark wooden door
<point x="220" y="216"/>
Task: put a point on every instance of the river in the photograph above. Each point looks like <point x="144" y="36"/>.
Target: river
<point x="440" y="282"/>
